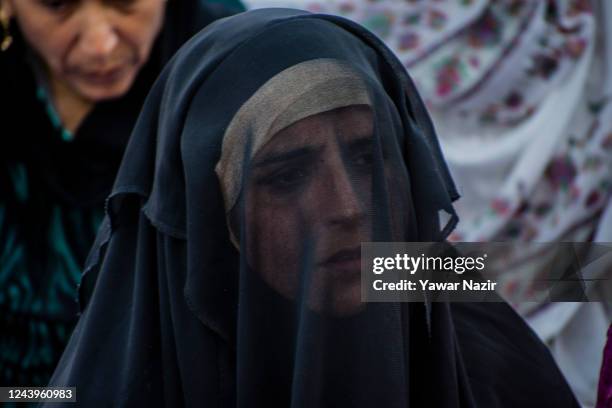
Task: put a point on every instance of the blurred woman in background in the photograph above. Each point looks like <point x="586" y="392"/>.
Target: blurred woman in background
<point x="73" y="75"/>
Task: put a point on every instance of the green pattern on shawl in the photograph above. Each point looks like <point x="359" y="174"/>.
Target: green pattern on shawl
<point x="40" y="309"/>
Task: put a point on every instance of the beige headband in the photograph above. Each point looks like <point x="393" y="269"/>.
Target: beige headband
<point x="303" y="90"/>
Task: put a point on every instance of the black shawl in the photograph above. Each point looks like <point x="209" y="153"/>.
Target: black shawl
<point x="206" y="286"/>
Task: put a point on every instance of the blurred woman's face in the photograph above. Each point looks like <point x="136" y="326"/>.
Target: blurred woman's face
<point x="307" y="208"/>
<point x="94" y="47"/>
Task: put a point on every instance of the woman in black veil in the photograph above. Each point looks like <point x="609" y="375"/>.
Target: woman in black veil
<point x="227" y="271"/>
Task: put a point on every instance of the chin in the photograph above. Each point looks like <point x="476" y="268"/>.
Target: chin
<point x="348" y="303"/>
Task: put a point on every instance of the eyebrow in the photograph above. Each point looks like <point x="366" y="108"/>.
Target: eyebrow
<point x="286" y="156"/>
<point x="302" y="152"/>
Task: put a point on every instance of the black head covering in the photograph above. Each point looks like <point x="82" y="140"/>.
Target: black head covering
<point x="224" y="274"/>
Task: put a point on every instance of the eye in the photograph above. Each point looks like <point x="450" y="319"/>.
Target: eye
<point x="58" y="6"/>
<point x="122" y="5"/>
<point x="289" y="178"/>
<point x="285" y="180"/>
<point x="363" y="159"/>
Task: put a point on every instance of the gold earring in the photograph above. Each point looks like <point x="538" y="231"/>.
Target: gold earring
<point x="7" y="38"/>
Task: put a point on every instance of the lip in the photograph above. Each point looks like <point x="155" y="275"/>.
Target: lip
<point x="348" y="259"/>
<point x="103" y="77"/>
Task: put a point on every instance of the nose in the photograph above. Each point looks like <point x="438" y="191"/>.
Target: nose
<point x="98" y="37"/>
<point x="341" y="203"/>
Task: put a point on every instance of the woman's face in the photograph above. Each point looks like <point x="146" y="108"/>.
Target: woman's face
<point x="308" y="202"/>
<point x="94" y="47"/>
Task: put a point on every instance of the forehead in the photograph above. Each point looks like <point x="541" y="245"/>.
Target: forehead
<point x="343" y="124"/>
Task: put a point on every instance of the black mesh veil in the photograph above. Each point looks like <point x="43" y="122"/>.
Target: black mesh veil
<point x="227" y="272"/>
<point x="308" y="194"/>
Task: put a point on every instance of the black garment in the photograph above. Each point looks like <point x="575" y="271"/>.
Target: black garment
<point x="52" y="194"/>
<point x="212" y="283"/>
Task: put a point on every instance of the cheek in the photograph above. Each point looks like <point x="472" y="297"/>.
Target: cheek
<point x="50" y="40"/>
<point x="403" y="223"/>
<point x="274" y="242"/>
<point x="363" y="188"/>
<point x="140" y="29"/>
